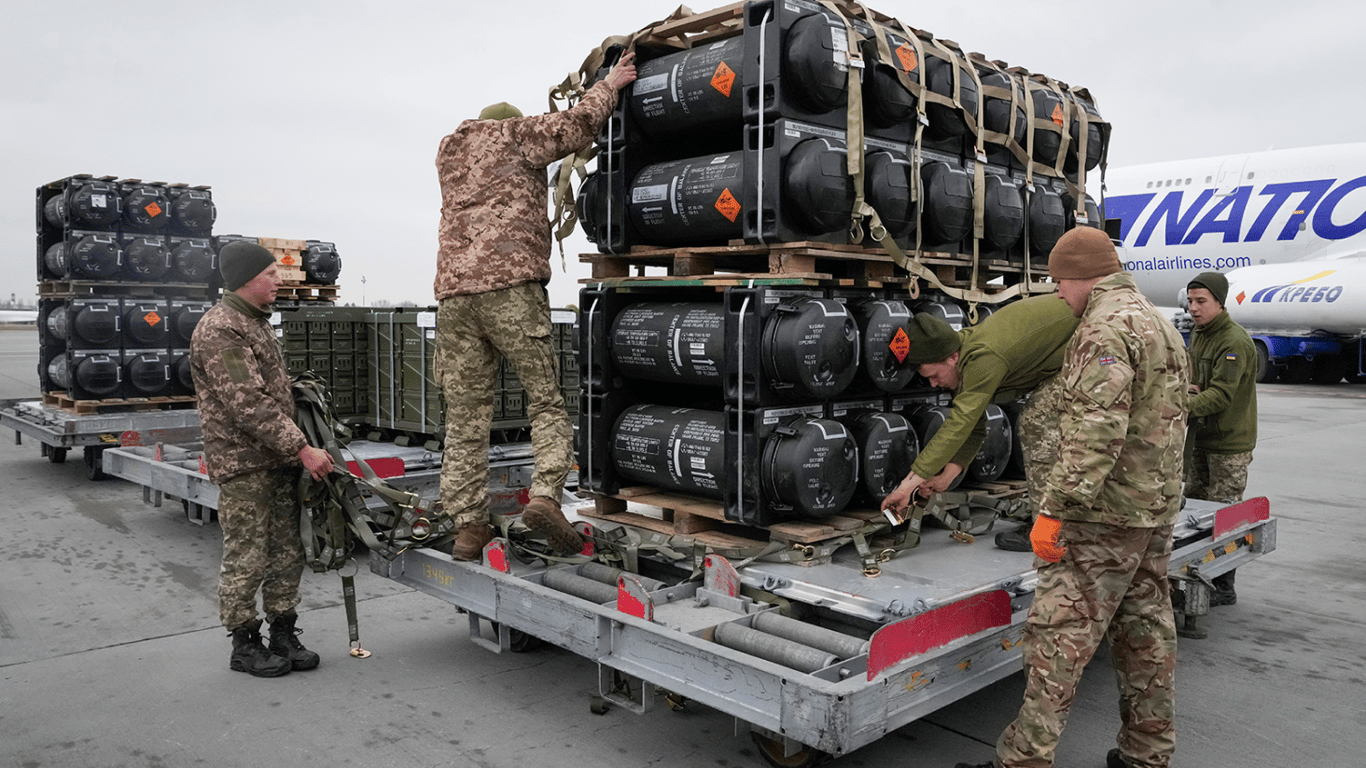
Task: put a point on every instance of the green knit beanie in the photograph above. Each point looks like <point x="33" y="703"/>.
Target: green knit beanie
<point x="932" y="339"/>
<point x="500" y="111"/>
<point x="1213" y="282"/>
<point x="240" y="261"/>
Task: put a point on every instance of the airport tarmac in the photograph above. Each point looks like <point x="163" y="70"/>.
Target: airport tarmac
<point x="111" y="653"/>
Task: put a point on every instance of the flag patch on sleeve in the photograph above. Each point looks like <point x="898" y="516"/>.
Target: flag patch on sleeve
<point x="1230" y="356"/>
<point x="1106" y="360"/>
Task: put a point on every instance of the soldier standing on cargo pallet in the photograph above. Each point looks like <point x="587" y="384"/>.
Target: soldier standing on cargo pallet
<point x="491" y="272"/>
<point x="1223" y="406"/>
<point x="1104" y="532"/>
<point x="253" y="450"/>
<point x="1016" y="350"/>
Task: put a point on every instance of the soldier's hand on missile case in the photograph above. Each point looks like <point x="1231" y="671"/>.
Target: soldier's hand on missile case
<point x="317" y="461"/>
<point x="624" y="72"/>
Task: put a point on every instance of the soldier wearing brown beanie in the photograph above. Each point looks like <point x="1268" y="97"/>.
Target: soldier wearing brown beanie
<point x="1103" y="535"/>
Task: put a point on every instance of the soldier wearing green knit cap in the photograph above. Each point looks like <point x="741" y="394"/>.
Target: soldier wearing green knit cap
<point x="1014" y="352"/>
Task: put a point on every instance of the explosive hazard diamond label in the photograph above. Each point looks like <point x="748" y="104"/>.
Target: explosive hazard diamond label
<point x="728" y="205"/>
<point x="723" y="79"/>
<point x="152" y="318"/>
<point x="1057" y="115"/>
<point x="900" y="345"/>
<point x="153" y="210"/>
<point x="906" y="54"/>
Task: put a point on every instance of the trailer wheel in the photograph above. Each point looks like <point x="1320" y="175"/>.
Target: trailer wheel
<point x="54" y="455"/>
<point x="1266" y="372"/>
<point x="519" y="641"/>
<point x="772" y="753"/>
<point x="94" y="468"/>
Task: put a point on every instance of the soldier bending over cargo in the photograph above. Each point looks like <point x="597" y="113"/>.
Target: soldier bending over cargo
<point x="491" y="271"/>
<point x="1223" y="406"/>
<point x="253" y="450"/>
<point x="1104" y="532"/>
<point x="1015" y="351"/>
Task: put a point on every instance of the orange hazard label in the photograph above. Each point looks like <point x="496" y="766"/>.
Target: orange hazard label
<point x="728" y="205"/>
<point x="1058" y="115"/>
<point x="908" y="60"/>
<point x="900" y="345"/>
<point x="1242" y="295"/>
<point x="153" y="210"/>
<point x="287" y="259"/>
<point x="723" y="78"/>
<point x="152" y="318"/>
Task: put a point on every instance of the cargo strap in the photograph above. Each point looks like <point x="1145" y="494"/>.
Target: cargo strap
<point x="332" y="514"/>
<point x="968" y="515"/>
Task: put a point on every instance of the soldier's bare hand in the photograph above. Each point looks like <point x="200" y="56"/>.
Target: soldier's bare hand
<point x="624" y="72"/>
<point x="317" y="461"/>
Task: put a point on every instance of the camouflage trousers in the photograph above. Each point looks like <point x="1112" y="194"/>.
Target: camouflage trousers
<point x="471" y="331"/>
<point x="1040" y="436"/>
<point x="1111" y="583"/>
<point x="1217" y="476"/>
<point x="259" y="515"/>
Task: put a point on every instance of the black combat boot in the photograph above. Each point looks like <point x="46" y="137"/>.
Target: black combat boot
<point x="1224" y="592"/>
<point x="250" y="656"/>
<point x="284" y="642"/>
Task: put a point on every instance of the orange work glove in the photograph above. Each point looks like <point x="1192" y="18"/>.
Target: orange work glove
<point x="1044" y="538"/>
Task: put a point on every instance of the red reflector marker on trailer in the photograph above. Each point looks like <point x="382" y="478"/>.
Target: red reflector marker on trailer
<point x="897" y="642"/>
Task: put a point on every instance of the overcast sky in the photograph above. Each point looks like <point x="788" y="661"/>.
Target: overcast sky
<point x="320" y="120"/>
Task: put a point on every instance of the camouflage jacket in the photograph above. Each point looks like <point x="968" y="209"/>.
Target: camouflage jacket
<point x="245" y="402"/>
<point x="1125" y="376"/>
<point x="1224" y="364"/>
<point x="494" y="230"/>
<point x="1004" y="358"/>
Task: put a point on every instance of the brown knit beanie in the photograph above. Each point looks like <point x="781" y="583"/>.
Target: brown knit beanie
<point x="932" y="339"/>
<point x="1083" y="253"/>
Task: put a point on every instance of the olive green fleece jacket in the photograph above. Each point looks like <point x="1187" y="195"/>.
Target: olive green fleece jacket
<point x="1223" y="416"/>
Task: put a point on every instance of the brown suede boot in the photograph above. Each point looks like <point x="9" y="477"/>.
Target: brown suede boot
<point x="544" y="516"/>
<point x="470" y="541"/>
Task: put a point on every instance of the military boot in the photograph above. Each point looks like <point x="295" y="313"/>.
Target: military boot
<point x="1016" y="540"/>
<point x="470" y="541"/>
<point x="284" y="642"/>
<point x="544" y="516"/>
<point x="250" y="656"/>
<point x="1224" y="592"/>
<point x="1113" y="760"/>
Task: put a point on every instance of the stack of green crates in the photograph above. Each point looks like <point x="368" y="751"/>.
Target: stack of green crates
<point x="330" y="342"/>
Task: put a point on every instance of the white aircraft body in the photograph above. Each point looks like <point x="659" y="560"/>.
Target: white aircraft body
<point x="1288" y="228"/>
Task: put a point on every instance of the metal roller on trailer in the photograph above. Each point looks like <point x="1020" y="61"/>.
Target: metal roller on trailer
<point x="815" y="661"/>
<point x="58" y="430"/>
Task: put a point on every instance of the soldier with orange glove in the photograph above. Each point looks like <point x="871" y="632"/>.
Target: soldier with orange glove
<point x="1103" y="536"/>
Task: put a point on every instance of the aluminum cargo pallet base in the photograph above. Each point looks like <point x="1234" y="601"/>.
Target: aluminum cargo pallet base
<point x="58" y="430"/>
<point x="951" y="618"/>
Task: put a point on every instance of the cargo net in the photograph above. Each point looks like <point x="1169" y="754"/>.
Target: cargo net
<point x="804" y="121"/>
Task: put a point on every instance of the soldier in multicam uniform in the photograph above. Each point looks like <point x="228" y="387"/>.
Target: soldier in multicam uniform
<point x="1016" y="351"/>
<point x="253" y="451"/>
<point x="1104" y="533"/>
<point x="491" y="272"/>
<point x="1223" y="408"/>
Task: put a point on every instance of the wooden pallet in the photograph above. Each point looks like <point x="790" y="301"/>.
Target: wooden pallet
<point x="705" y="520"/>
<point x="804" y="263"/>
<point x="88" y="407"/>
<point x="696" y="29"/>
<point x="304" y="292"/>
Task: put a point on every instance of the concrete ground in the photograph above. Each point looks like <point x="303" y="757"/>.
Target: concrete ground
<point x="111" y="653"/>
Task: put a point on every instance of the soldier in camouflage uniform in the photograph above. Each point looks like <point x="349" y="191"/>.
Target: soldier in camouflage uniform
<point x="1223" y="406"/>
<point x="1013" y="351"/>
<point x="1104" y="534"/>
<point x="492" y="267"/>
<point x="253" y="451"/>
